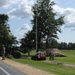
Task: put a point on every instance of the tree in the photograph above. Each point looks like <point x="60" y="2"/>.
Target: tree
<point x="4" y="29"/>
<point x="54" y="44"/>
<point x="63" y="45"/>
<point x="48" y="25"/>
<point x="27" y="43"/>
<point x="70" y="46"/>
<point x="6" y="36"/>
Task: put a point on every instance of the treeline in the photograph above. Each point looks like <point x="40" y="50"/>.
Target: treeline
<point x="66" y="46"/>
<point x="62" y="45"/>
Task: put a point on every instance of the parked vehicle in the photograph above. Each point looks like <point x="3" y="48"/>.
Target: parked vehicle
<point x="39" y="56"/>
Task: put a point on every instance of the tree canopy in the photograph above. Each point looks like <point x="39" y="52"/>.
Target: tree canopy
<point x="6" y="36"/>
<point x="48" y="24"/>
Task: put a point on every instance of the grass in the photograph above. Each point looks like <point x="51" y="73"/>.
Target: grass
<point x="52" y="68"/>
<point x="70" y="59"/>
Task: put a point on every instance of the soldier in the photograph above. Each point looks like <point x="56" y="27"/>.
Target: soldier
<point x="51" y="56"/>
<point x="3" y="52"/>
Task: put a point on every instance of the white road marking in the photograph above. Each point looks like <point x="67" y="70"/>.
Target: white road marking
<point x="4" y="71"/>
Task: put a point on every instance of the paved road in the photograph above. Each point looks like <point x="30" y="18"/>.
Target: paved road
<point x="8" y="70"/>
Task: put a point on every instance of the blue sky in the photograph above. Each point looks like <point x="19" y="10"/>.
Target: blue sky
<point x="20" y="14"/>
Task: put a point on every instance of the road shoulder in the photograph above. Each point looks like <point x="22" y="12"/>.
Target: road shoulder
<point x="29" y="70"/>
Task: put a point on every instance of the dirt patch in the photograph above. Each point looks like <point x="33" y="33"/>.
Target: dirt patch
<point x="29" y="70"/>
<point x="60" y="63"/>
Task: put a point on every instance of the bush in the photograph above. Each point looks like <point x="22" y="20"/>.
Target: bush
<point x="34" y="58"/>
<point x="16" y="55"/>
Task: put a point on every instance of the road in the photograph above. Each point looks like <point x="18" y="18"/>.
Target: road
<point x="9" y="70"/>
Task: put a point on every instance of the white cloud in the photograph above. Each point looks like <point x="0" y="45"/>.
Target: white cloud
<point x="69" y="14"/>
<point x="7" y="3"/>
<point x="22" y="30"/>
<point x="23" y="10"/>
<point x="73" y="29"/>
<point x="25" y="27"/>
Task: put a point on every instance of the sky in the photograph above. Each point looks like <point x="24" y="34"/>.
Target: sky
<point x="20" y="14"/>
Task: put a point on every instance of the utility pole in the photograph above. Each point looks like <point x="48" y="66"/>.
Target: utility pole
<point x="36" y="10"/>
<point x="36" y="29"/>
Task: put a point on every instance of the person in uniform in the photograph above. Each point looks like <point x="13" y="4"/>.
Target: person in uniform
<point x="3" y="52"/>
<point x="51" y="56"/>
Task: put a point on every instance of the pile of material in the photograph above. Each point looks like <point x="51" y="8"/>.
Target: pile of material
<point x="55" y="51"/>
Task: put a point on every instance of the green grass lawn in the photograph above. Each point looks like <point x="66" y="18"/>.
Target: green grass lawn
<point x="70" y="59"/>
<point x="52" y="68"/>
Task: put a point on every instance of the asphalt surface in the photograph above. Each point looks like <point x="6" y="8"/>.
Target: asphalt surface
<point x="9" y="70"/>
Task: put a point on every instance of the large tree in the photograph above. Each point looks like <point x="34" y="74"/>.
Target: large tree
<point x="48" y="24"/>
<point x="6" y="36"/>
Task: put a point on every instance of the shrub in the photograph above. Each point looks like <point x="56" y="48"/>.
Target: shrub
<point x="16" y="55"/>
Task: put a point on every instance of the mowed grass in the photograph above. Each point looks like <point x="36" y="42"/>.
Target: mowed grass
<point x="69" y="59"/>
<point x="52" y="68"/>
